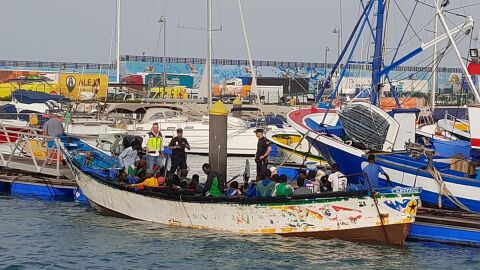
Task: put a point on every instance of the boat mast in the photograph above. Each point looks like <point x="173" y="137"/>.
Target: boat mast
<point x="209" y="52"/>
<point x="117" y="25"/>
<point x="455" y="47"/>
<point x="249" y="54"/>
<point x="435" y="67"/>
<point x="378" y="54"/>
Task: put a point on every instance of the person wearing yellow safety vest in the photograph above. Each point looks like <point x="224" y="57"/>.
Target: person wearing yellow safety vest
<point x="153" y="145"/>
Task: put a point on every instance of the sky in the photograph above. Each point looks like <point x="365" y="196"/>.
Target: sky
<point x="284" y="30"/>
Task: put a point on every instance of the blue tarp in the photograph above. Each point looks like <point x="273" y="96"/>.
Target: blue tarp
<point x="29" y="97"/>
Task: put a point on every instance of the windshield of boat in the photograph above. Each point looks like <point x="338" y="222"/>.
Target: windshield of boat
<point x="165" y="115"/>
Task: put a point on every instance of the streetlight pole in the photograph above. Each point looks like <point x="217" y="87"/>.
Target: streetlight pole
<point x="163" y="20"/>
<point x="337" y="32"/>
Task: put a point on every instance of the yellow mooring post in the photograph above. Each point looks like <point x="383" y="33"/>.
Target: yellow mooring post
<point x="237" y="104"/>
<point x="217" y="156"/>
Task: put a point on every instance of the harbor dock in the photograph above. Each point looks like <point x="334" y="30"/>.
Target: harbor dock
<point x="28" y="185"/>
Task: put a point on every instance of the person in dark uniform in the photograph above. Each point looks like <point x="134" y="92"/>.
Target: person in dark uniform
<point x="179" y="157"/>
<point x="261" y="157"/>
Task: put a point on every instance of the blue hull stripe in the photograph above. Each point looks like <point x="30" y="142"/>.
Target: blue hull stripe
<point x="351" y="164"/>
<point x="446" y="234"/>
<point x="27" y="189"/>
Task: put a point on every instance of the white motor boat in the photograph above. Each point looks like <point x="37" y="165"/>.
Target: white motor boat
<point x="241" y="136"/>
<point x="29" y="102"/>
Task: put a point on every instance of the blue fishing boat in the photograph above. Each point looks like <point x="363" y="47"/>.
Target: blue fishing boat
<point x="348" y="135"/>
<point x="446" y="226"/>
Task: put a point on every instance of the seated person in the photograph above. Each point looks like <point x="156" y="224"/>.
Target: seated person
<point x="173" y="182"/>
<point x="282" y="189"/>
<point x="161" y="176"/>
<point x="215" y="185"/>
<point x="251" y="189"/>
<point x="312" y="183"/>
<point x="123" y="178"/>
<point x="338" y="180"/>
<point x="192" y="187"/>
<point x="233" y="190"/>
<point x="275" y="178"/>
<point x="302" y="175"/>
<point x="265" y="187"/>
<point x="138" y="170"/>
<point x="325" y="185"/>
<point x="183" y="184"/>
<point x="150" y="181"/>
<point x="302" y="189"/>
<point x="196" y="179"/>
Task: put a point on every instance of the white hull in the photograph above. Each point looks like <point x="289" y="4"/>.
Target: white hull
<point x="431" y="131"/>
<point x="240" y="141"/>
<point x="352" y="217"/>
<point x="449" y="126"/>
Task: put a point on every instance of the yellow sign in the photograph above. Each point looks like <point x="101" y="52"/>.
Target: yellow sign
<point x="179" y="92"/>
<point x="75" y="85"/>
<point x="7" y="88"/>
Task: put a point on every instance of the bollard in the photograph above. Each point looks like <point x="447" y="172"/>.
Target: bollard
<point x="237" y="104"/>
<point x="217" y="157"/>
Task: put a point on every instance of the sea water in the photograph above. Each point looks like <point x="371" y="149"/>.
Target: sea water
<point x="46" y="234"/>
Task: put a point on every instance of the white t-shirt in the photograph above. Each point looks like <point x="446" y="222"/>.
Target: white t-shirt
<point x="339" y="183"/>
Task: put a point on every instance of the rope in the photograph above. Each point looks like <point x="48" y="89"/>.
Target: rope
<point x="444" y="191"/>
<point x="378" y="209"/>
<point x="306" y="157"/>
<point x="442" y="187"/>
<point x="295" y="149"/>
<point x="47" y="182"/>
<point x="186" y="212"/>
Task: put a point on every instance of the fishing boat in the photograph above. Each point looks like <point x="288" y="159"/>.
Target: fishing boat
<point x="384" y="216"/>
<point x="348" y="135"/>
<point x="293" y="148"/>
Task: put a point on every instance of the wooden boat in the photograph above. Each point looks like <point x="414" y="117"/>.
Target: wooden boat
<point x="293" y="149"/>
<point x="385" y="217"/>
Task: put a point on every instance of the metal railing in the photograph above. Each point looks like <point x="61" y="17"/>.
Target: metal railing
<point x="241" y="62"/>
<point x="18" y="150"/>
